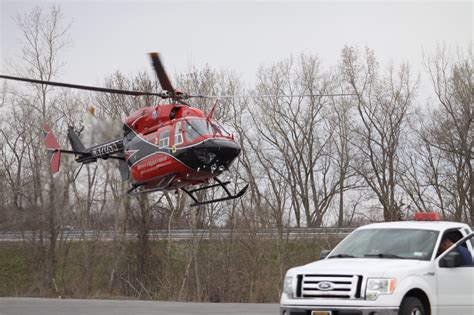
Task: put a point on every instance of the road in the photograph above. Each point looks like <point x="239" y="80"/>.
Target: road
<point x="37" y="306"/>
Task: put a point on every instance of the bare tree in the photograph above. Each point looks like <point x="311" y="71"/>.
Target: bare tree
<point x="447" y="135"/>
<point x="339" y="118"/>
<point x="383" y="103"/>
<point x="44" y="37"/>
<point x="297" y="144"/>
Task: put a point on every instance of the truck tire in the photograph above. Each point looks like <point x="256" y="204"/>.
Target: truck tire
<point x="411" y="306"/>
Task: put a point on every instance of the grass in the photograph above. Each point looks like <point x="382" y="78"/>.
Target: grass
<point x="237" y="270"/>
<point x="13" y="270"/>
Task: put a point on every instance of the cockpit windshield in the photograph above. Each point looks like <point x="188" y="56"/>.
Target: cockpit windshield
<point x="195" y="128"/>
<point x="221" y="128"/>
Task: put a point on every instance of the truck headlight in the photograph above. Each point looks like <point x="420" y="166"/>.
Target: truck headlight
<point x="378" y="286"/>
<point x="288" y="286"/>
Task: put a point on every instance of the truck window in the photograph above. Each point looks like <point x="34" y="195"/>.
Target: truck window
<point x="388" y="243"/>
<point x="451" y="236"/>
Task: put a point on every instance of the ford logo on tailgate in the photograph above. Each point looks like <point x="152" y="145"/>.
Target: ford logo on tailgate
<point x="325" y="286"/>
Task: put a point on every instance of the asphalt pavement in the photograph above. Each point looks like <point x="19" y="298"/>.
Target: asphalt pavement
<point x="40" y="306"/>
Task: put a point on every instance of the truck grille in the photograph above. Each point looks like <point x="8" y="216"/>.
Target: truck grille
<point x="329" y="286"/>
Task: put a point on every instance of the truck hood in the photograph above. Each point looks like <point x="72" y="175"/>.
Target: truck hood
<point x="361" y="266"/>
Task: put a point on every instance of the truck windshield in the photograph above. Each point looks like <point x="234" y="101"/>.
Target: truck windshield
<point x="387" y="243"/>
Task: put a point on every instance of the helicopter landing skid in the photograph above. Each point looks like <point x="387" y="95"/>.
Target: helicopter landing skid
<point x="190" y="193"/>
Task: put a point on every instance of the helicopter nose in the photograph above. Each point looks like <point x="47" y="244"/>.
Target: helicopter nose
<point x="217" y="154"/>
<point x="227" y="151"/>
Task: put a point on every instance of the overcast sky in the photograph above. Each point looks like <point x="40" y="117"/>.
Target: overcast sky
<point x="110" y="35"/>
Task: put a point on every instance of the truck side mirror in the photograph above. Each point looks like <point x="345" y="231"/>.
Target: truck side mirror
<point x="324" y="253"/>
<point x="450" y="260"/>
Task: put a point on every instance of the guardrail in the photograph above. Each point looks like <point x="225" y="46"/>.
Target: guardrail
<point x="112" y="235"/>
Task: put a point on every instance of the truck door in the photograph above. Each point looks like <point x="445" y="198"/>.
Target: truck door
<point x="455" y="283"/>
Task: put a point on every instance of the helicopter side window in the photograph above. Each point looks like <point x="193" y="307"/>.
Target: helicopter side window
<point x="164" y="139"/>
<point x="178" y="134"/>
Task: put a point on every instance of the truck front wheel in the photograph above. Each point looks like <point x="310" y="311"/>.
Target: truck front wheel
<point x="411" y="306"/>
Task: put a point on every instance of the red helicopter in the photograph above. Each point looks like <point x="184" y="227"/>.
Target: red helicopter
<point x="164" y="147"/>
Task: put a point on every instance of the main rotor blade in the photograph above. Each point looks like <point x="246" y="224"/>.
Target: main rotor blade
<point x="161" y="74"/>
<point x="81" y="87"/>
<point x="271" y="95"/>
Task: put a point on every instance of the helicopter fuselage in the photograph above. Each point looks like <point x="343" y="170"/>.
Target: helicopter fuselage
<point x="188" y="148"/>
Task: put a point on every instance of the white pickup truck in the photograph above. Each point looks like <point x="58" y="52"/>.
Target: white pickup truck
<point x="388" y="268"/>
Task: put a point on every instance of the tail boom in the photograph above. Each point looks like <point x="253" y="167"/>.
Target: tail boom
<point x="89" y="155"/>
<point x="112" y="149"/>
